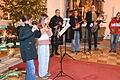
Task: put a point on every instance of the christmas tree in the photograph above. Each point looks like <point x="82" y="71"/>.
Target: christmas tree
<point x="17" y="7"/>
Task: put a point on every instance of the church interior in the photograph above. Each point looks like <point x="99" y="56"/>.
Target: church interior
<point x="94" y="65"/>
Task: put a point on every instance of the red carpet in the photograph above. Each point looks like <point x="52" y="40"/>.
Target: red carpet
<point x="81" y="70"/>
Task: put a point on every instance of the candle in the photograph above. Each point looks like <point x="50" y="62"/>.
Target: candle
<point x="82" y="11"/>
<point x="113" y="11"/>
<point x="8" y="15"/>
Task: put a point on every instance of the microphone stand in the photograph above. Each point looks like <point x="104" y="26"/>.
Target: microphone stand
<point x="84" y="39"/>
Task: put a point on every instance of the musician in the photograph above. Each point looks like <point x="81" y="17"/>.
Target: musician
<point x="91" y="18"/>
<point x="26" y="35"/>
<point x="56" y="25"/>
<point x="114" y="27"/>
<point x="75" y="31"/>
<point x="43" y="47"/>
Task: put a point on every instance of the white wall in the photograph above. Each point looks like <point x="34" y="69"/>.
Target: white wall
<point x="52" y="5"/>
<point x="111" y="7"/>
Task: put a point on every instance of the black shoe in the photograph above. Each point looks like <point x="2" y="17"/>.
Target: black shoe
<point x="78" y="51"/>
<point x="57" y="53"/>
<point x="114" y="51"/>
<point x="88" y="50"/>
<point x="96" y="49"/>
<point x="51" y="55"/>
<point x="110" y="51"/>
<point x="72" y="51"/>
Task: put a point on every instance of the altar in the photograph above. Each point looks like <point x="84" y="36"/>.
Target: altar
<point x="83" y="6"/>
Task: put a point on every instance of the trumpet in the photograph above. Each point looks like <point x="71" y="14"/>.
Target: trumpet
<point x="95" y="27"/>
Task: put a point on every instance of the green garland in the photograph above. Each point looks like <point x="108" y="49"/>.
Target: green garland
<point x="11" y="73"/>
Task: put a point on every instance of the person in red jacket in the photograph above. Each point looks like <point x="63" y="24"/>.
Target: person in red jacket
<point x="114" y="27"/>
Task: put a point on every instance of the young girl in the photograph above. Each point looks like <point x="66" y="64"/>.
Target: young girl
<point x="43" y="47"/>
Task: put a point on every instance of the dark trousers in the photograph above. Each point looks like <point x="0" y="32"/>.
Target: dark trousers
<point x="95" y="35"/>
<point x="54" y="48"/>
<point x="54" y="43"/>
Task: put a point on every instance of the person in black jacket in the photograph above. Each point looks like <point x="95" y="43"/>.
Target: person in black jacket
<point x="91" y="18"/>
<point x="75" y="20"/>
<point x="26" y="36"/>
<point x="56" y="25"/>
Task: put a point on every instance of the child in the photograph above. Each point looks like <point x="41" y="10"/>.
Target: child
<point x="43" y="47"/>
<point x="114" y="32"/>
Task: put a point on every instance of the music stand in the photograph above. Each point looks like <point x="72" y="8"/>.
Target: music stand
<point x="61" y="72"/>
<point x="66" y="26"/>
<point x="66" y="49"/>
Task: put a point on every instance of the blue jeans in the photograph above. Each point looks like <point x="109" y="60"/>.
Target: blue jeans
<point x="43" y="59"/>
<point x="30" y="70"/>
<point x="113" y="41"/>
<point x="119" y="38"/>
<point x="95" y="34"/>
<point x="76" y="41"/>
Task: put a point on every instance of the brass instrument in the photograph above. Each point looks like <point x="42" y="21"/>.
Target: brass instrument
<point x="57" y="28"/>
<point x="94" y="19"/>
<point x="95" y="27"/>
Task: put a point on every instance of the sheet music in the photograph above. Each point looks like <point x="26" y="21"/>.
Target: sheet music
<point x="64" y="29"/>
<point x="66" y="21"/>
